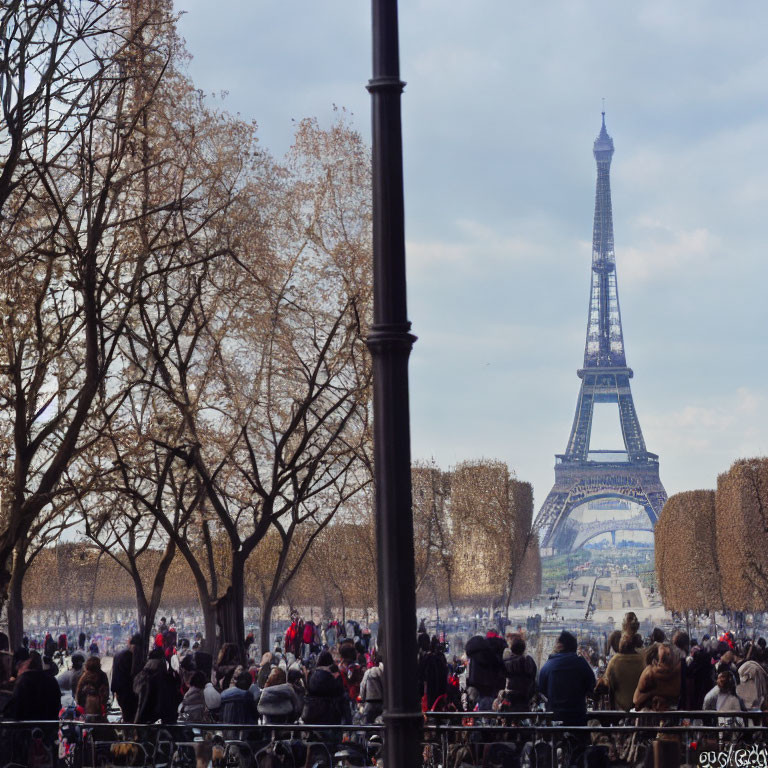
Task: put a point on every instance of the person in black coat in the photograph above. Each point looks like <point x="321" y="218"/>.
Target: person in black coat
<point x="486" y="668"/>
<point x="325" y="702"/>
<point x="520" y="670"/>
<point x="36" y="695"/>
<point x="124" y="670"/>
<point x="158" y="689"/>
<point x="433" y="673"/>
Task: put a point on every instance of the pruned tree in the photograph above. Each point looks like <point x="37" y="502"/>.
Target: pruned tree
<point x="527" y="582"/>
<point x="491" y="513"/>
<point x="686" y="533"/>
<point x="524" y="569"/>
<point x="431" y="531"/>
<point x="742" y="534"/>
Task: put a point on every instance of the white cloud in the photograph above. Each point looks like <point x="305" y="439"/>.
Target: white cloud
<point x="664" y="253"/>
<point x="479" y="247"/>
<point x="697" y="441"/>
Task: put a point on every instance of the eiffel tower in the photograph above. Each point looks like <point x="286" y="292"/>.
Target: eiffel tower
<point x="584" y="475"/>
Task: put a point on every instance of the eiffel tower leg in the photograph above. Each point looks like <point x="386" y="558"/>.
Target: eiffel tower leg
<point x="552" y="515"/>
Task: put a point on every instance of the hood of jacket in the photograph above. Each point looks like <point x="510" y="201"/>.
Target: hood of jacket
<point x="750" y="670"/>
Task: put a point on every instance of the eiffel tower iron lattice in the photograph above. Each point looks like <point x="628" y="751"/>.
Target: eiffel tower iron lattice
<point x="583" y="474"/>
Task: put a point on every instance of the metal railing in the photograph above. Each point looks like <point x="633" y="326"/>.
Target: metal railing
<point x="446" y="737"/>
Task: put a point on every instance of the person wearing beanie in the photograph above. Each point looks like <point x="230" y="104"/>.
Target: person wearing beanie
<point x="566" y="680"/>
<point x="372" y="693"/>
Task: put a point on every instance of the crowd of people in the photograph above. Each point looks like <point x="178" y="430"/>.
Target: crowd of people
<point x="634" y="674"/>
<point x="324" y="674"/>
<point x="332" y="673"/>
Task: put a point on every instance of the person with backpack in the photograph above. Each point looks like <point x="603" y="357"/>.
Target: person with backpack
<point x="92" y="692"/>
<point x="351" y="674"/>
<point x="292" y="638"/>
<point x="372" y="691"/>
<point x="308" y="638"/>
<point x="486" y="669"/>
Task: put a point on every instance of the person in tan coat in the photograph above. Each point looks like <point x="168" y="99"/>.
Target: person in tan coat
<point x="623" y="673"/>
<point x="659" y="685"/>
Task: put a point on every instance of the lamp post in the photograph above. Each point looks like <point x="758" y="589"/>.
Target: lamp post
<point x="390" y="342"/>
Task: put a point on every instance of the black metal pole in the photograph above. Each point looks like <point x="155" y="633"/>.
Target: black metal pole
<point x="390" y="342"/>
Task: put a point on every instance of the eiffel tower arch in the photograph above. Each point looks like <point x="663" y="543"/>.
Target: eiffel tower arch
<point x="583" y="474"/>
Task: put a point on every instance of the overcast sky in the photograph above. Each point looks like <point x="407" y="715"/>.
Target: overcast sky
<point x="499" y="115"/>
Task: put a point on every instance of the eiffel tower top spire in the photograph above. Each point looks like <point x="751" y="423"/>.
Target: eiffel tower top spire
<point x="605" y="339"/>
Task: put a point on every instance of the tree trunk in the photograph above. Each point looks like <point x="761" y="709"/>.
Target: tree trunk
<point x="210" y="640"/>
<point x="145" y="623"/>
<point x="265" y="624"/>
<point x="230" y="606"/>
<point x="16" y="605"/>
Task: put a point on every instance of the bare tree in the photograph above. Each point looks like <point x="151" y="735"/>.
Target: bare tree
<point x="262" y="358"/>
<point x="70" y="265"/>
<point x="53" y="54"/>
